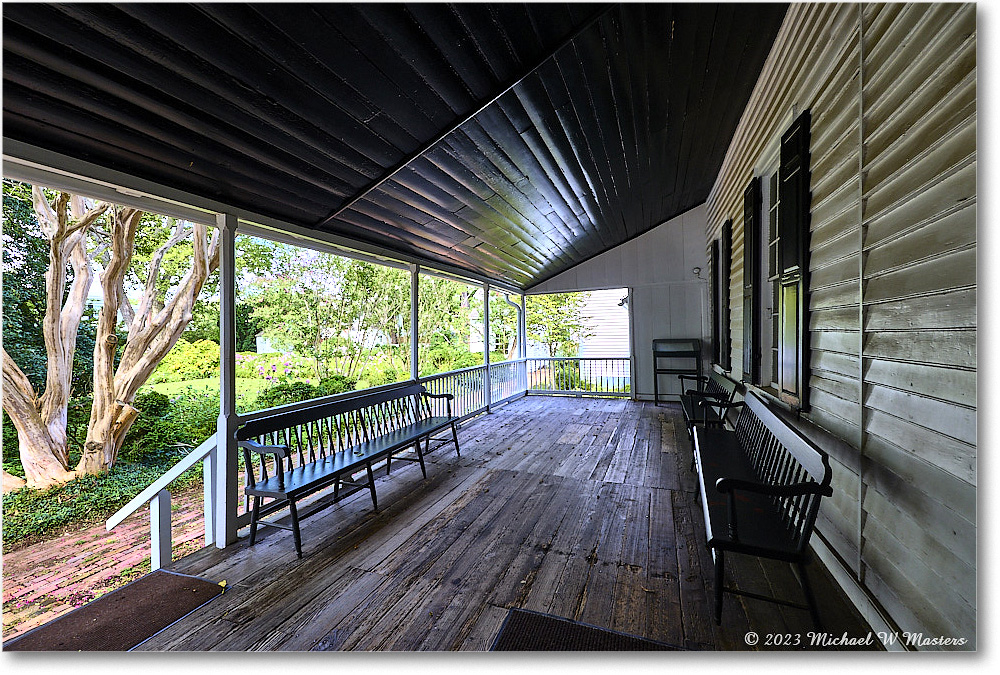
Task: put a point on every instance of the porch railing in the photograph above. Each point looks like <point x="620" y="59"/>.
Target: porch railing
<point x="582" y="376"/>
<point x="158" y="498"/>
<point x="506" y="381"/>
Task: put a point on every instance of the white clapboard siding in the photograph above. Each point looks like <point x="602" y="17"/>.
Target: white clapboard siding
<point x="893" y="315"/>
<point x="607" y="322"/>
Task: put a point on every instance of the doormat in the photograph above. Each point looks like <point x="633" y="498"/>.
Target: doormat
<point x="525" y="630"/>
<point x="123" y="618"/>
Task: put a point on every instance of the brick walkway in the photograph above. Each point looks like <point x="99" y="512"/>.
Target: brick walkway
<point x="50" y="578"/>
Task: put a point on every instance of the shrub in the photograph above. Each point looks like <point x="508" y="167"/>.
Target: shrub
<point x="565" y="376"/>
<point x="153" y="431"/>
<point x="284" y="393"/>
<point x="188" y="361"/>
<point x="337" y="384"/>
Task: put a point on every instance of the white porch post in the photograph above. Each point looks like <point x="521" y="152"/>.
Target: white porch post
<point x="486" y="345"/>
<point x="225" y="463"/>
<point x="160" y="541"/>
<point x="522" y="339"/>
<point x="414" y="322"/>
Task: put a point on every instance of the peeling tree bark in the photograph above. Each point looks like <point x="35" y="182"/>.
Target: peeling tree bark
<point x="40" y="421"/>
<point x="151" y="333"/>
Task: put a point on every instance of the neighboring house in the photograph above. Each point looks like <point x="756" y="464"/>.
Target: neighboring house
<point x="264" y="345"/>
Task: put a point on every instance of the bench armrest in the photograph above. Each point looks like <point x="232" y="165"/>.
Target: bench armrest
<point x="703" y="379"/>
<point x="429" y="394"/>
<point x="280" y="451"/>
<point x="447" y="397"/>
<point x="729" y="487"/>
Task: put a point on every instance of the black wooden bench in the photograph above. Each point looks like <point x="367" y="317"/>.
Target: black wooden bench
<point x="708" y="404"/>
<point x="302" y="451"/>
<point x="761" y="486"/>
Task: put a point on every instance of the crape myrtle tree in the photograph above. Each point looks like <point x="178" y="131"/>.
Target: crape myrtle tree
<point x="82" y="234"/>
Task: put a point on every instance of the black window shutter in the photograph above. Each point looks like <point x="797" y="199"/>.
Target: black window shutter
<point x="751" y="281"/>
<point x="725" y="332"/>
<point x="716" y="346"/>
<point x="793" y="227"/>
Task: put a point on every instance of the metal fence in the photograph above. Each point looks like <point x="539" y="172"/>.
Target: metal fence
<point x="610" y="376"/>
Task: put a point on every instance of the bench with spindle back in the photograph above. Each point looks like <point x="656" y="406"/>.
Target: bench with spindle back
<point x="761" y="486"/>
<point x="300" y="452"/>
<point x="709" y="404"/>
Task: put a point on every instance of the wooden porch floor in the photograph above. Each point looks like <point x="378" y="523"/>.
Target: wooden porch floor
<point x="582" y="508"/>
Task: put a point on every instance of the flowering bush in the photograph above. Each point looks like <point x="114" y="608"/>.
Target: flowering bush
<point x="273" y="367"/>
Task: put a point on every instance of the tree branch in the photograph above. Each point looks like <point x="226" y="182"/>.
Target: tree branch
<point x="145" y="307"/>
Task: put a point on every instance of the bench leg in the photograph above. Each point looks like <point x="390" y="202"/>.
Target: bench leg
<point x="295" y="527"/>
<point x="388" y="463"/>
<point x="371" y="485"/>
<point x="420" y="456"/>
<point x="336" y="489"/>
<point x="454" y="435"/>
<point x="254" y="515"/>
<point x="720" y="578"/>
<point x="810" y="598"/>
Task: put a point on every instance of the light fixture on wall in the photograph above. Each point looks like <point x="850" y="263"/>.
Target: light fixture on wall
<point x="623" y="302"/>
<point x="697" y="272"/>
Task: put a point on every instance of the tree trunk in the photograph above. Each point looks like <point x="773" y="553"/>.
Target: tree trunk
<point x="12" y="482"/>
<point x="42" y="452"/>
<point x="104" y="439"/>
<point x="40" y="421"/>
<point x="151" y="335"/>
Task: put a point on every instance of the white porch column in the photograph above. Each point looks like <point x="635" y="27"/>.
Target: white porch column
<point x="522" y="339"/>
<point x="414" y="322"/>
<point x="486" y="345"/>
<point x="225" y="464"/>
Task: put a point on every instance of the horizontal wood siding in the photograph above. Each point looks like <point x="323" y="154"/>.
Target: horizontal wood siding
<point x="893" y="314"/>
<point x="920" y="312"/>
<point x="814" y="64"/>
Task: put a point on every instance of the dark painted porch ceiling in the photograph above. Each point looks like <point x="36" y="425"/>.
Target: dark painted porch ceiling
<point x="618" y="116"/>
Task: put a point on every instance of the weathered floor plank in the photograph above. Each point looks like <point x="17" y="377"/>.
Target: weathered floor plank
<point x="584" y="508"/>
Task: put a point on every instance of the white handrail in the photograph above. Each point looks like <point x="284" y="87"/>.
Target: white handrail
<point x="158" y="497"/>
<point x="162" y="482"/>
